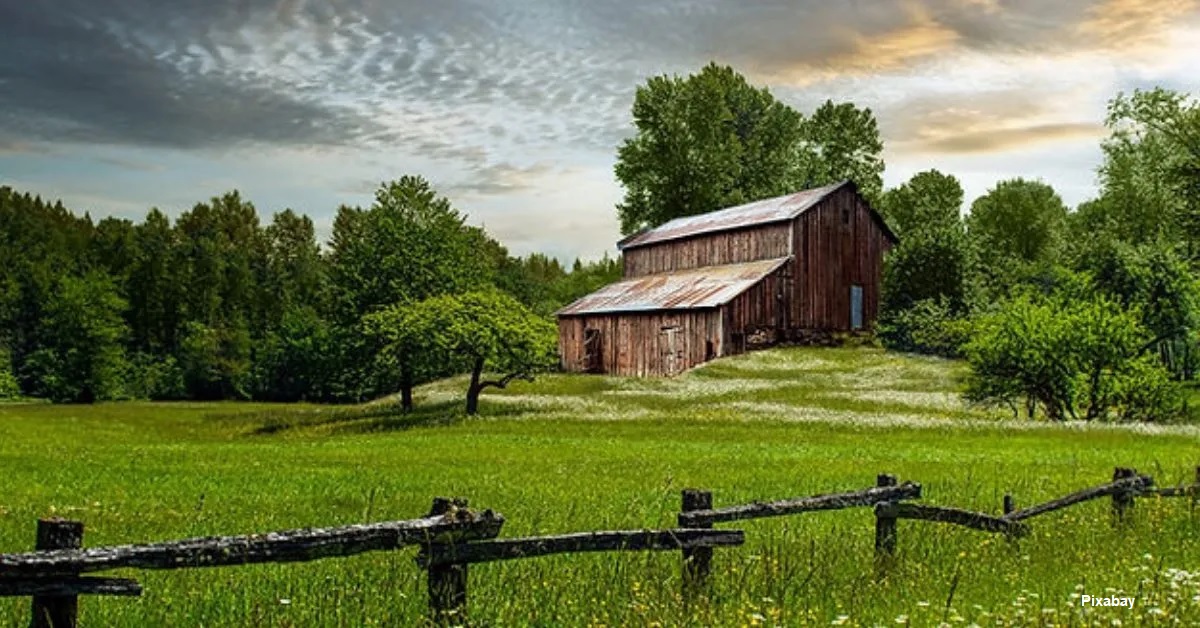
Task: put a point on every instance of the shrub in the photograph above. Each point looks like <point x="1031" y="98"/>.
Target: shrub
<point x="9" y="388"/>
<point x="928" y="326"/>
<point x="1076" y="359"/>
<point x="152" y="377"/>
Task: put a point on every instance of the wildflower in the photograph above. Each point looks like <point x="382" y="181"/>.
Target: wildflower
<point x="923" y="604"/>
<point x="284" y="602"/>
<point x="841" y="620"/>
<point x="901" y="619"/>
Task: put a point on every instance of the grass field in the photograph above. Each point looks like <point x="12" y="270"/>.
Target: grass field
<point x="571" y="453"/>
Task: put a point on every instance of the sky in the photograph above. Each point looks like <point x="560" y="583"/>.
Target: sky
<point x="515" y="110"/>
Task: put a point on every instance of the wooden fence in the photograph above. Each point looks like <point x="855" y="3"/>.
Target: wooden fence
<point x="452" y="536"/>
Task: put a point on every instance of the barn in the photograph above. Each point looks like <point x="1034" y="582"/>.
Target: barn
<point x="701" y="287"/>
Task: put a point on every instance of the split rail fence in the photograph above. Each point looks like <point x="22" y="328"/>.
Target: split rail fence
<point x="452" y="536"/>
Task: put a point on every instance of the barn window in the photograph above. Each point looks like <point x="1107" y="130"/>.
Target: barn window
<point x="709" y="351"/>
<point x="846" y="216"/>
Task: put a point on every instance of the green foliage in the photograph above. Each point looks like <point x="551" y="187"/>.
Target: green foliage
<point x="1076" y="359"/>
<point x="9" y="388"/>
<point x="929" y="326"/>
<point x="81" y="358"/>
<point x="704" y="142"/>
<point x="152" y="377"/>
<point x="293" y="362"/>
<point x="839" y="142"/>
<point x="481" y="330"/>
<point x="1016" y="226"/>
<point x="215" y="362"/>
<point x="1150" y="178"/>
<point x="929" y="200"/>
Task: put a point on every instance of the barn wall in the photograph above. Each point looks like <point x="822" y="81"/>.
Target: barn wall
<point x="727" y="247"/>
<point x="831" y="255"/>
<point x="634" y="343"/>
<point x="762" y="307"/>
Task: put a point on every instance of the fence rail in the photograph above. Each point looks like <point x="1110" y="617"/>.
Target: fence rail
<point x="452" y="536"/>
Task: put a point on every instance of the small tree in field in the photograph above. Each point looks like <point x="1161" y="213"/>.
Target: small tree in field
<point x="482" y="331"/>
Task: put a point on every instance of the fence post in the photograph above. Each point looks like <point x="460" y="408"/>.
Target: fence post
<point x="885" y="528"/>
<point x="1122" y="501"/>
<point x="447" y="583"/>
<point x="56" y="611"/>
<point x="697" y="562"/>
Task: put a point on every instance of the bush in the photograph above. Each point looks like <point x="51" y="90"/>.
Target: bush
<point x="9" y="388"/>
<point x="1076" y="359"/>
<point x="929" y="326"/>
<point x="152" y="377"/>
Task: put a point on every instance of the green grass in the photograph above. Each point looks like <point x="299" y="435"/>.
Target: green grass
<point x="572" y="453"/>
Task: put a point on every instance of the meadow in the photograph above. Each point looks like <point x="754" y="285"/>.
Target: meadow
<point x="572" y="453"/>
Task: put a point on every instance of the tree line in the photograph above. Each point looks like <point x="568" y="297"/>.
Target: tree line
<point x="1084" y="313"/>
<point x="1088" y="313"/>
<point x="216" y="305"/>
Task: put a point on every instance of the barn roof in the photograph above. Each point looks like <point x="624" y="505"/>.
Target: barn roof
<point x="766" y="211"/>
<point x="709" y="286"/>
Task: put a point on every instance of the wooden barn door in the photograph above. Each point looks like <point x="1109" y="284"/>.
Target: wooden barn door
<point x="593" y="354"/>
<point x="671" y="353"/>
<point x="856" y="307"/>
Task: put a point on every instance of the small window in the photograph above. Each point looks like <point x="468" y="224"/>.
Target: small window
<point x="846" y="216"/>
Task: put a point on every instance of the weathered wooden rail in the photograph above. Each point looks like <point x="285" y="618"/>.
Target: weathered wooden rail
<point x="452" y="536"/>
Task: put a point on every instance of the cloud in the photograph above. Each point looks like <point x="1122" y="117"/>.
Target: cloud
<point x="500" y="179"/>
<point x="1134" y="25"/>
<point x="1002" y="139"/>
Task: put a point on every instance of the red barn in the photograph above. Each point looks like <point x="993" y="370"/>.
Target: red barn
<point x="706" y="286"/>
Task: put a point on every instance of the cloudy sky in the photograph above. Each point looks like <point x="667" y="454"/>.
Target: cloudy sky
<point x="514" y="109"/>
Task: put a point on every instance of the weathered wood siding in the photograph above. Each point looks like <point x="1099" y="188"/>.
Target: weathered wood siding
<point x="837" y="245"/>
<point x="713" y="249"/>
<point x="635" y="343"/>
<point x="762" y="307"/>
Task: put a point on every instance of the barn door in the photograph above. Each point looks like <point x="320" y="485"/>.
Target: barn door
<point x="856" y="307"/>
<point x="593" y="356"/>
<point x="672" y="354"/>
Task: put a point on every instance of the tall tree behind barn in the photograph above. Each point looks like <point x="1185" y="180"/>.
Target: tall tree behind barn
<point x="711" y="285"/>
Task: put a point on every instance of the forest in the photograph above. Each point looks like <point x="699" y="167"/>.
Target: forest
<point x="1084" y="313"/>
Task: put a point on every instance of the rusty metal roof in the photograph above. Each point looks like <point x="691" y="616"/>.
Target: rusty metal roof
<point x="694" y="288"/>
<point x="757" y="213"/>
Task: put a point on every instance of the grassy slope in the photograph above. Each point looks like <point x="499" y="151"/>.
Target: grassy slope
<point x="576" y="453"/>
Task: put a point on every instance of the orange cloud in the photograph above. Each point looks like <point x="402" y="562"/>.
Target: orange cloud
<point x="1129" y="25"/>
<point x="1001" y="139"/>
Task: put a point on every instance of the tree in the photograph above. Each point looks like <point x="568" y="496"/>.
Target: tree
<point x="928" y="199"/>
<point x="153" y="289"/>
<point x="704" y="142"/>
<point x="215" y="361"/>
<point x="932" y="260"/>
<point x="840" y="141"/>
<point x="292" y="363"/>
<point x="1155" y="281"/>
<point x="1016" y="227"/>
<point x="81" y="358"/>
<point x="1073" y="358"/>
<point x="485" y="330"/>
<point x="927" y="275"/>
<point x="1150" y="178"/>
<point x="409" y="246"/>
